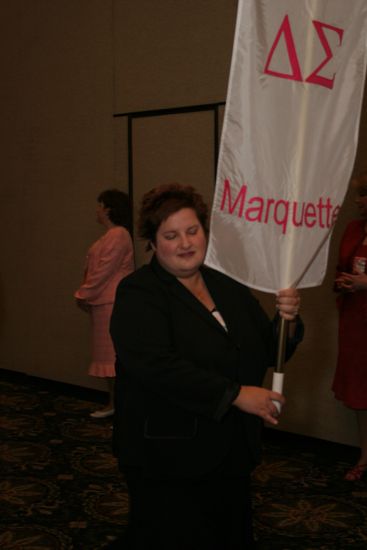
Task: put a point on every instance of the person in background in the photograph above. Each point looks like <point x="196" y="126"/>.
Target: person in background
<point x="350" y="381"/>
<point x="192" y="347"/>
<point x="109" y="259"/>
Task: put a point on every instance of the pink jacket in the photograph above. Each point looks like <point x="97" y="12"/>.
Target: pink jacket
<point x="108" y="260"/>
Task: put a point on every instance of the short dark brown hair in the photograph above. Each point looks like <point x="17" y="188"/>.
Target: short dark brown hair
<point x="163" y="201"/>
<point x="118" y="205"/>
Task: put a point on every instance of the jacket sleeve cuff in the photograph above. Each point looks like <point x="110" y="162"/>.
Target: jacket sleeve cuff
<point x="229" y="396"/>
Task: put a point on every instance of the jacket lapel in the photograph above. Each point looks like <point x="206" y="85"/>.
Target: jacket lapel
<point x="223" y="302"/>
<point x="184" y="295"/>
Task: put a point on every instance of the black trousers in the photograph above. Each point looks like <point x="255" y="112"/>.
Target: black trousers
<point x="192" y="514"/>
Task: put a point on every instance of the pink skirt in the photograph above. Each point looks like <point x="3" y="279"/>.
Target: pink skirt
<point x="103" y="353"/>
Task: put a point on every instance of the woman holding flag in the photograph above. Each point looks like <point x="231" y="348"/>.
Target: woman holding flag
<point x="192" y="347"/>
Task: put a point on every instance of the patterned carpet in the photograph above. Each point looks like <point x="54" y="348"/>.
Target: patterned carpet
<point x="301" y="499"/>
<point x="60" y="488"/>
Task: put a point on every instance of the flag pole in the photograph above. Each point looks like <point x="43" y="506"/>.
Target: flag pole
<point x="278" y="375"/>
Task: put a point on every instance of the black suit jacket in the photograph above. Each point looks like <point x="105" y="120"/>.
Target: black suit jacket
<point x="178" y="371"/>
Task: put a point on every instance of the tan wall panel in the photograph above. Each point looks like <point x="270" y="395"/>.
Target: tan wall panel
<point x="57" y="155"/>
<point x="178" y="52"/>
<point x="172" y="148"/>
<point x="120" y="146"/>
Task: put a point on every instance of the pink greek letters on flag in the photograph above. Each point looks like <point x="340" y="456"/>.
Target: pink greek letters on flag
<point x="289" y="139"/>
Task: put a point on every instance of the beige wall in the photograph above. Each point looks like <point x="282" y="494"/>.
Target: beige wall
<point x="69" y="66"/>
<point x="57" y="153"/>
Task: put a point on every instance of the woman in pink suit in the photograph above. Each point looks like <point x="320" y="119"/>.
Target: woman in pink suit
<point x="350" y="381"/>
<point x="109" y="259"/>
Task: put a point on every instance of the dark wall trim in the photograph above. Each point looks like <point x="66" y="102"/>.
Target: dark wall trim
<point x="214" y="107"/>
<point x="172" y="110"/>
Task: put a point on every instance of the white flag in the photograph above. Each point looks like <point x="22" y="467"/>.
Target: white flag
<point x="289" y="139"/>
